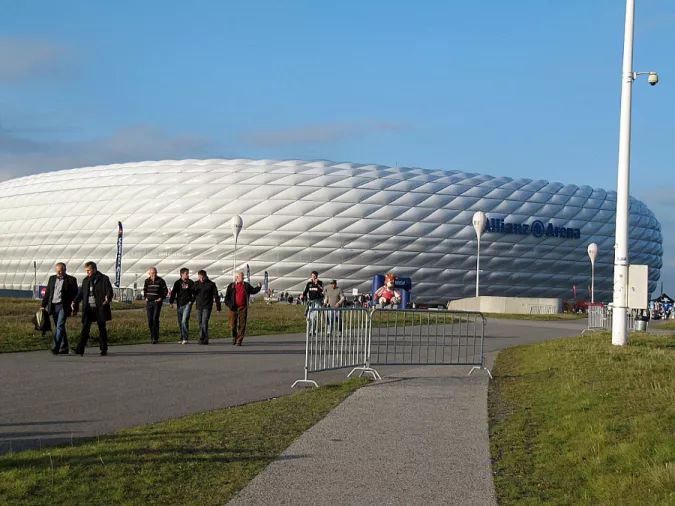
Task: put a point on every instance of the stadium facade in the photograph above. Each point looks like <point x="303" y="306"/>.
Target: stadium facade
<point x="348" y="221"/>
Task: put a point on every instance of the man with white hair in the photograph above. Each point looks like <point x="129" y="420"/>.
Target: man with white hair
<point x="155" y="291"/>
<point x="236" y="299"/>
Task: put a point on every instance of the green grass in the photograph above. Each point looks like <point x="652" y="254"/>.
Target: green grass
<point x="663" y="324"/>
<point x="201" y="459"/>
<point x="537" y="317"/>
<point x="130" y="327"/>
<point x="579" y="421"/>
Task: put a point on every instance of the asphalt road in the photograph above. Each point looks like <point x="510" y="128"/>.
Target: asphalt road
<point x="48" y="399"/>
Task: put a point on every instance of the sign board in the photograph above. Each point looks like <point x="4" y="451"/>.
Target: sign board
<point x="42" y="292"/>
<point x="355" y="291"/>
<point x="638" y="286"/>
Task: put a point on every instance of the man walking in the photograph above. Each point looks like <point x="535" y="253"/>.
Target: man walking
<point x="155" y="291"/>
<point x="96" y="294"/>
<point x="205" y="292"/>
<point x="313" y="296"/>
<point x="184" y="295"/>
<point x="236" y="299"/>
<point x="58" y="301"/>
<point x="334" y="298"/>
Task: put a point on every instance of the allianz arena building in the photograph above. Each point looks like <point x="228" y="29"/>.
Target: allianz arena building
<point x="348" y="221"/>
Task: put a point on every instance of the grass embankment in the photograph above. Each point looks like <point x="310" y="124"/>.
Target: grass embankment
<point x="537" y="317"/>
<point x="199" y="459"/>
<point x="130" y="327"/>
<point x="579" y="421"/>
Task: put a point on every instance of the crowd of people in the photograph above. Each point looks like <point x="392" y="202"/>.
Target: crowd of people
<point x="661" y="310"/>
<point x="62" y="299"/>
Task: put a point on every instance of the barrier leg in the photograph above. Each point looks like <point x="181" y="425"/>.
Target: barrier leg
<point x="306" y="381"/>
<point x="481" y="367"/>
<point x="365" y="370"/>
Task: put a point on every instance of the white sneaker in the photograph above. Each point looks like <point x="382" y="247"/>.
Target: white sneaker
<point x="183" y="341"/>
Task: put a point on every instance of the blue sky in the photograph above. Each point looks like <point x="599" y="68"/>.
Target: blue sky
<point x="529" y="88"/>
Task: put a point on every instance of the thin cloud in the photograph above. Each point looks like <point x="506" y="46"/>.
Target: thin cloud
<point x="24" y="58"/>
<point x="312" y="134"/>
<point x="660" y="22"/>
<point x="23" y="156"/>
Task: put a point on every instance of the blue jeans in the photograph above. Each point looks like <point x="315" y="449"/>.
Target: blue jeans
<point x="203" y="316"/>
<point x="60" y="341"/>
<point x="335" y="320"/>
<point x="183" y="314"/>
<point x="314" y="315"/>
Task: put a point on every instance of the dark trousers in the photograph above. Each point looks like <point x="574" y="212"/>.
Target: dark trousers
<point x="203" y="316"/>
<point x="153" y="309"/>
<point x="88" y="317"/>
<point x="237" y="319"/>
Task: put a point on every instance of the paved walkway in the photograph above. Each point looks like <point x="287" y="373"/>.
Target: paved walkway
<point x="418" y="437"/>
<point x="48" y="399"/>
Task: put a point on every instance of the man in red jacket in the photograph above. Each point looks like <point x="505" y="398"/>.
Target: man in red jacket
<point x="236" y="298"/>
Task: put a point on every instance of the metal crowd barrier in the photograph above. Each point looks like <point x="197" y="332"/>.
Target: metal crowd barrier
<point x="337" y="338"/>
<point x="600" y="318"/>
<point x="360" y="338"/>
<point x="420" y="337"/>
<point x="543" y="309"/>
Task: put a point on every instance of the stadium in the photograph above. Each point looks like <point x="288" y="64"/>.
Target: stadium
<point x="348" y="221"/>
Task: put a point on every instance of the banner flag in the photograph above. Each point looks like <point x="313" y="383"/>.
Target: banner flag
<point x="265" y="283"/>
<point x="248" y="274"/>
<point x="118" y="261"/>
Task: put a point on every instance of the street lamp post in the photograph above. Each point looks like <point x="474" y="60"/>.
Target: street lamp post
<point x="593" y="254"/>
<point x="237" y="224"/>
<point x="479" y="227"/>
<point x="620" y="303"/>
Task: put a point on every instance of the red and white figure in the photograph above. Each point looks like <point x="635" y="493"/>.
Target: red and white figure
<point x="387" y="294"/>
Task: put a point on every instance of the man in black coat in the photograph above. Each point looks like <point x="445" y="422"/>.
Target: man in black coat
<point x="96" y="295"/>
<point x="236" y="299"/>
<point x="155" y="291"/>
<point x="205" y="292"/>
<point x="58" y="299"/>
<point x="183" y="293"/>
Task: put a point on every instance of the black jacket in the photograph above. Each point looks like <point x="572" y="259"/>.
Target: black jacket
<point x="101" y="288"/>
<point x="68" y="293"/>
<point x="230" y="296"/>
<point x="313" y="290"/>
<point x="184" y="296"/>
<point x="159" y="289"/>
<point x="205" y="294"/>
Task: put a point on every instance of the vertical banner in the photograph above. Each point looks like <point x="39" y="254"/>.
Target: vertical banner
<point x="574" y="291"/>
<point x="118" y="261"/>
<point x="265" y="283"/>
<point x="248" y="274"/>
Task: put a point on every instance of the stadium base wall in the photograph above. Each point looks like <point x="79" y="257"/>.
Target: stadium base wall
<point x="507" y="305"/>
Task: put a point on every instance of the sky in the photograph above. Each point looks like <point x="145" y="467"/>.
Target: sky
<point x="529" y="88"/>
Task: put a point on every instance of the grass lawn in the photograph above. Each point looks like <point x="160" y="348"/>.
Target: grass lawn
<point x="663" y="324"/>
<point x="200" y="459"/>
<point x="130" y="327"/>
<point x="537" y="317"/>
<point x="579" y="421"/>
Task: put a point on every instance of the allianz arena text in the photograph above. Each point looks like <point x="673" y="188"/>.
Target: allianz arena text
<point x="348" y="221"/>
